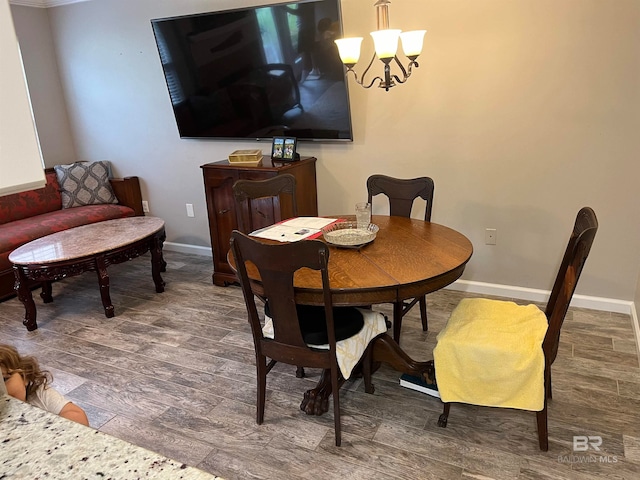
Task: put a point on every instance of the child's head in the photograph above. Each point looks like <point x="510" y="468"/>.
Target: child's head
<point x="27" y="366"/>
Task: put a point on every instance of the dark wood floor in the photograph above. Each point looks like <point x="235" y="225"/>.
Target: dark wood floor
<point x="174" y="372"/>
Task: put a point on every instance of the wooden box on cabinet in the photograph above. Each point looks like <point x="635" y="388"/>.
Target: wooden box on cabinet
<point x="219" y="178"/>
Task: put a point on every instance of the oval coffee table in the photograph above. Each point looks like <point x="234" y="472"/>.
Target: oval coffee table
<point x="86" y="248"/>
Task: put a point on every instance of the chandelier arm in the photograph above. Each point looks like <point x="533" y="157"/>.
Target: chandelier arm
<point x="364" y="74"/>
<point x="360" y="81"/>
<point x="373" y="80"/>
<point x="410" y="67"/>
<point x="404" y="72"/>
<point x="398" y="80"/>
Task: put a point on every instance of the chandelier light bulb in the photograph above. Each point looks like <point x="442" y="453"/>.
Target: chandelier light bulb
<point x="412" y="42"/>
<point x="349" y="50"/>
<point x="386" y="42"/>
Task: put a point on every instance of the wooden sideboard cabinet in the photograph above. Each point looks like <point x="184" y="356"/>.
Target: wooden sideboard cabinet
<point x="219" y="178"/>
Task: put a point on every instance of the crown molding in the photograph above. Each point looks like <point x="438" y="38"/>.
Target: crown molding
<point x="44" y="3"/>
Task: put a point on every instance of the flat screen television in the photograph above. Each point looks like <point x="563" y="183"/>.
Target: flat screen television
<point x="257" y="72"/>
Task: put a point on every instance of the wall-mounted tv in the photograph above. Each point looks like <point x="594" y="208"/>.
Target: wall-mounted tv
<point x="257" y="72"/>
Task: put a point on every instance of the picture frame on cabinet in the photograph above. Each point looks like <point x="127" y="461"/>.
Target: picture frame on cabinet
<point x="283" y="149"/>
<point x="277" y="148"/>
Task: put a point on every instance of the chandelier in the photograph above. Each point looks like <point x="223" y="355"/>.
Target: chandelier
<point x="385" y="41"/>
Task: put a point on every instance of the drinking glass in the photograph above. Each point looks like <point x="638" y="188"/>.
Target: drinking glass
<point x="363" y="214"/>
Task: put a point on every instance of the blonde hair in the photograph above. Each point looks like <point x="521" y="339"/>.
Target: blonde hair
<point x="27" y="366"/>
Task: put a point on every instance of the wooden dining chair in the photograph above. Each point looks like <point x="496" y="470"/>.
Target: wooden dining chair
<point x="296" y="335"/>
<point x="259" y="201"/>
<point x="401" y="194"/>
<point x="499" y="354"/>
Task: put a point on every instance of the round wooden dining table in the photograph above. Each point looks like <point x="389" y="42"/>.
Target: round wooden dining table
<point x="408" y="258"/>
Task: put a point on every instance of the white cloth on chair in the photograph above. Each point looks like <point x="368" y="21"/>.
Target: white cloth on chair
<point x="350" y="350"/>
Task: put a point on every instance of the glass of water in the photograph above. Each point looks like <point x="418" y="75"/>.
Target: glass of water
<point x="363" y="214"/>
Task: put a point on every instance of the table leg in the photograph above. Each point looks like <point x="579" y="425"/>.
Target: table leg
<point x="103" y="281"/>
<point x="24" y="294"/>
<point x="157" y="263"/>
<point x="397" y="321"/>
<point x="45" y="294"/>
<point x="316" y="400"/>
<point x="385" y="350"/>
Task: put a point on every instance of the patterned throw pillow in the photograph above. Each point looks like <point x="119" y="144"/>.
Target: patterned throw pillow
<point x="83" y="183"/>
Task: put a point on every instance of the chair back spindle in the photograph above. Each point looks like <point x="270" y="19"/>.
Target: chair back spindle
<point x="259" y="201"/>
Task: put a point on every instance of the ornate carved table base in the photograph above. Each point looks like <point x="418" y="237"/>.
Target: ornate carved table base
<point x="385" y="350"/>
<point x="28" y="273"/>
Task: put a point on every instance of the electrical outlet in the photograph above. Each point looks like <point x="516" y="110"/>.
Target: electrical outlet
<point x="490" y="235"/>
<point x="190" y="210"/>
<point x="145" y="206"/>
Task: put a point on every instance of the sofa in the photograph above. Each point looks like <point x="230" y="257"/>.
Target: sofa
<point x="32" y="214"/>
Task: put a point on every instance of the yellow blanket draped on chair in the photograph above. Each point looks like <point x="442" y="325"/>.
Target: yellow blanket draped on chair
<point x="490" y="354"/>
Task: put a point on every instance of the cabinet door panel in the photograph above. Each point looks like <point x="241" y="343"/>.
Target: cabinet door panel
<point x="223" y="212"/>
<point x="222" y="208"/>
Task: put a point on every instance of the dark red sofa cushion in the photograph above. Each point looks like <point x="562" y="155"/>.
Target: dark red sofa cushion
<point x="19" y="232"/>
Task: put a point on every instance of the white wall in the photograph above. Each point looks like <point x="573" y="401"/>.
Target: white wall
<point x="45" y="89"/>
<point x="20" y="160"/>
<point x="521" y="111"/>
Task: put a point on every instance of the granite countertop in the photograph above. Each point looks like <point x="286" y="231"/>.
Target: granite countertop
<point x="38" y="444"/>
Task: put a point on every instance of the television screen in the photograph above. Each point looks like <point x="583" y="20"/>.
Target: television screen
<point x="257" y="72"/>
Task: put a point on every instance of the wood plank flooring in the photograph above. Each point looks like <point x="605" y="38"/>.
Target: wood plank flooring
<point x="174" y="372"/>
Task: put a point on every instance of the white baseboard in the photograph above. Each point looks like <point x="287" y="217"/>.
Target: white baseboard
<point x="186" y="248"/>
<point x="636" y="326"/>
<point x="508" y="291"/>
<point x="535" y="295"/>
